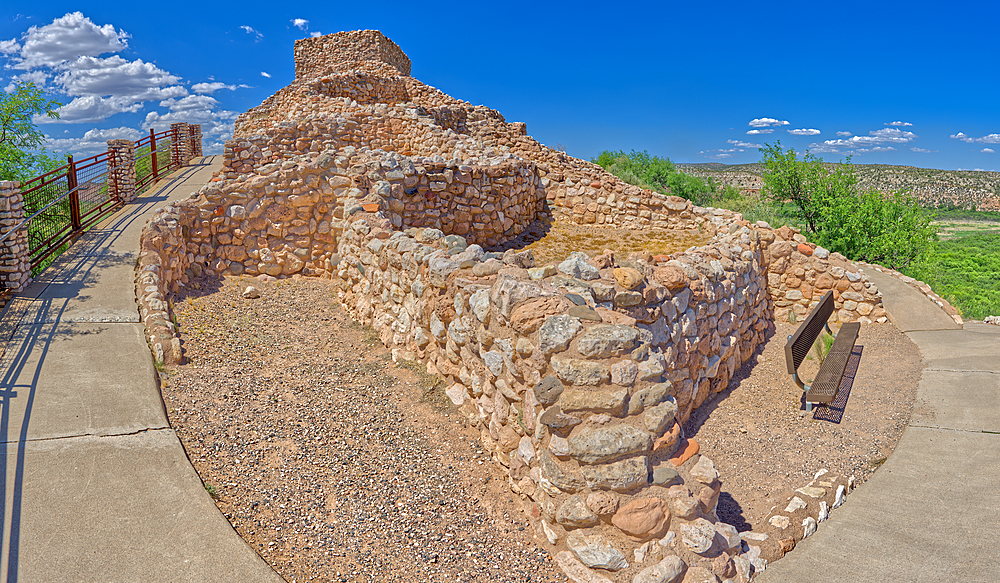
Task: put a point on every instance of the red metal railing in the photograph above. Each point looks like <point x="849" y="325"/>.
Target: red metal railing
<point x="62" y="203"/>
<point x="153" y="159"/>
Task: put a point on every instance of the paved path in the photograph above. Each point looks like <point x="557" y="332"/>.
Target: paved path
<point x="930" y="513"/>
<point x="96" y="486"/>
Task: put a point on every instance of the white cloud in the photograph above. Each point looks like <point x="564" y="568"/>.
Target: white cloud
<point x="38" y="77"/>
<point x="265" y="74"/>
<point x="119" y="77"/>
<point x="251" y="30"/>
<point x="93" y="141"/>
<point x="67" y="37"/>
<point x="762" y="122"/>
<point x="300" y="23"/>
<point x="824" y="148"/>
<point x="189" y="103"/>
<point x="804" y="132"/>
<point x="9" y="47"/>
<point x="876" y="149"/>
<point x="215" y="86"/>
<point x="91" y="108"/>
<point x="720" y="154"/>
<point x="899" y="123"/>
<point x="315" y="33"/>
<point x="758" y="132"/>
<point x="987" y="150"/>
<point x="216" y="125"/>
<point x="923" y="150"/>
<point x="844" y="134"/>
<point x="873" y="139"/>
<point x="987" y="139"/>
<point x="740" y="144"/>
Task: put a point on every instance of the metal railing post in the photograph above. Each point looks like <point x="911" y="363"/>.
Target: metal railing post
<point x="152" y="153"/>
<point x="74" y="194"/>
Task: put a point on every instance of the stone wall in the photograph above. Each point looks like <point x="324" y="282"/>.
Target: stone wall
<point x="358" y="50"/>
<point x="15" y="265"/>
<point x="579" y="373"/>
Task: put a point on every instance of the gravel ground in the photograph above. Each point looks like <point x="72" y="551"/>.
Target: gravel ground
<point x="333" y="463"/>
<point x="764" y="444"/>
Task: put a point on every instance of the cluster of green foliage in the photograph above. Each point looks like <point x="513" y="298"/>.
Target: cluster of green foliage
<point x="654" y="173"/>
<point x="965" y="271"/>
<point x="21" y="153"/>
<point x="890" y="229"/>
<point x="660" y="175"/>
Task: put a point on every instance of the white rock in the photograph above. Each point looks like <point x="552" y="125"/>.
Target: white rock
<point x="808" y="526"/>
<point x="457" y="393"/>
<point x="668" y="540"/>
<point x="526" y="450"/>
<point x="666" y="571"/>
<point x="595" y="551"/>
<point x="251" y="292"/>
<point x="841" y="497"/>
<point x="641" y="551"/>
<point x="575" y="570"/>
<point x="794" y="504"/>
<point x="781" y="522"/>
<point x="704" y="471"/>
<point x="551" y="535"/>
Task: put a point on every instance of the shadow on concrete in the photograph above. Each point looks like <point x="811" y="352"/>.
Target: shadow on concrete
<point x="37" y="341"/>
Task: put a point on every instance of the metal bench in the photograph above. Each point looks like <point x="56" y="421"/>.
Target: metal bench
<point x="824" y="387"/>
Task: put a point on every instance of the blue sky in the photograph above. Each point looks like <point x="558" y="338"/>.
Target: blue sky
<point x="914" y="84"/>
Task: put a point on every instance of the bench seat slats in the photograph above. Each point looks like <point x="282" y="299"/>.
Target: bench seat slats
<point x="824" y="387"/>
<point x="801" y="342"/>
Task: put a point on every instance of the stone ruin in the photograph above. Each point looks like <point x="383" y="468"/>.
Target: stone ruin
<point x="579" y="374"/>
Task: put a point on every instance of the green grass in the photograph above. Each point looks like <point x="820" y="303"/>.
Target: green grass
<point x="965" y="270"/>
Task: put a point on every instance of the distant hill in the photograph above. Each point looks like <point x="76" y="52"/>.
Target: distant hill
<point x="933" y="188"/>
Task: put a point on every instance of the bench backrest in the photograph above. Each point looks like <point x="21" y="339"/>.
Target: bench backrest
<point x="798" y="344"/>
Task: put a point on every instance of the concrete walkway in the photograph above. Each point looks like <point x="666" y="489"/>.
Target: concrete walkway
<point x="930" y="513"/>
<point x="96" y="486"/>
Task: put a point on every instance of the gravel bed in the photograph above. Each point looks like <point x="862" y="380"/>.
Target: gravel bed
<point x="332" y="462"/>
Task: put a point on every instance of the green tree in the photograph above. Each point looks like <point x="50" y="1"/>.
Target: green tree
<point x="806" y="183"/>
<point x="891" y="229"/>
<point x="21" y="153"/>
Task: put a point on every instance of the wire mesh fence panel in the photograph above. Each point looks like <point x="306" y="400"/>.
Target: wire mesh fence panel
<point x="95" y="193"/>
<point x="46" y="198"/>
<point x="164" y="159"/>
<point x="152" y="159"/>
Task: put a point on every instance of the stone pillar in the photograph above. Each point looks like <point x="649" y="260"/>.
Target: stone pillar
<point x="195" y="130"/>
<point x="180" y="145"/>
<point x="15" y="264"/>
<point x="121" y="169"/>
